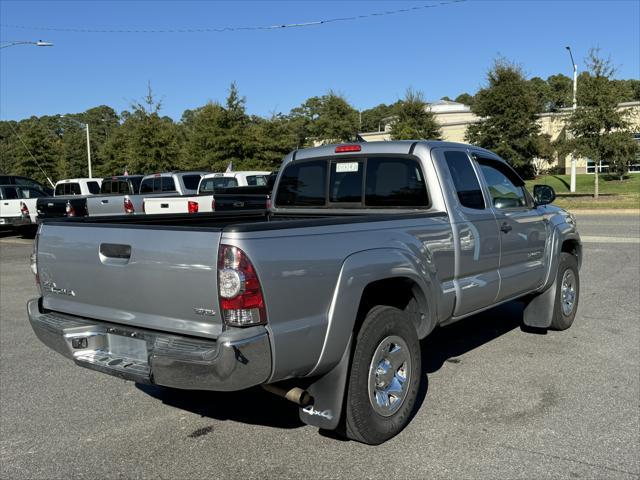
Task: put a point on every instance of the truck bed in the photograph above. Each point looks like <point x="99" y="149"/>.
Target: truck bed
<point x="246" y="221"/>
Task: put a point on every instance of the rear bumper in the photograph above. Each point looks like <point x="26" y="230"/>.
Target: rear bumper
<point x="236" y="360"/>
<point x="15" y="221"/>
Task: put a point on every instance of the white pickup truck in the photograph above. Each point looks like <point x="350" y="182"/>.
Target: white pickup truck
<point x="77" y="186"/>
<point x="18" y="207"/>
<point x="205" y="201"/>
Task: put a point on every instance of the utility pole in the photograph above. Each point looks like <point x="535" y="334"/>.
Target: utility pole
<point x="575" y="106"/>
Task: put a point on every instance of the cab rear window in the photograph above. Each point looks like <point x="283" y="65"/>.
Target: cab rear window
<point x="67" y="189"/>
<point x="352" y="182"/>
<point x="157" y="184"/>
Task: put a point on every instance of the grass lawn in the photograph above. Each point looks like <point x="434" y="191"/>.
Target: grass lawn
<point x="616" y="193"/>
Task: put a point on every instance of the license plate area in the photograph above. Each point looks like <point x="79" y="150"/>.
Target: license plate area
<point x="120" y="353"/>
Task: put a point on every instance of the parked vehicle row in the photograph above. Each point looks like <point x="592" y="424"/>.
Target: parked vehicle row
<point x="126" y="194"/>
<point x="366" y="249"/>
<point x="217" y="192"/>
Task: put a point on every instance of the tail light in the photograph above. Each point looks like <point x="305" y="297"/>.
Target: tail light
<point x="192" y="207"/>
<point x="24" y="210"/>
<point x="268" y="203"/>
<point x="128" y="206"/>
<point x="71" y="212"/>
<point x="213" y="204"/>
<point x="241" y="300"/>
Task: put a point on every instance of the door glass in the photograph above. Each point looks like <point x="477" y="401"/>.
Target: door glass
<point x="504" y="186"/>
<point x="464" y="179"/>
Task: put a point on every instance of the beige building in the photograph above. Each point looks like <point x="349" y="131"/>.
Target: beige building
<point x="454" y="118"/>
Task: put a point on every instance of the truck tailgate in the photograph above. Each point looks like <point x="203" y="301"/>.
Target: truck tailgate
<point x="157" y="278"/>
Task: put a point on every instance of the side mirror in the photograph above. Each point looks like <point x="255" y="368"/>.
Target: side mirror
<point x="543" y="194"/>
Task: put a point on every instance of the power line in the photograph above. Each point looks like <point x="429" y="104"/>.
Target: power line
<point x="29" y="152"/>
<point x="241" y="28"/>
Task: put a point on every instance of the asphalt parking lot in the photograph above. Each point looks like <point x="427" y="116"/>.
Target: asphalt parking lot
<point x="498" y="402"/>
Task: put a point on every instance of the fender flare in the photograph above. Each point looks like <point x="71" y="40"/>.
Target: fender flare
<point x="357" y="272"/>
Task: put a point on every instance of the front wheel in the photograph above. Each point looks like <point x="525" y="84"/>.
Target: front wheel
<point x="567" y="292"/>
<point x="385" y="376"/>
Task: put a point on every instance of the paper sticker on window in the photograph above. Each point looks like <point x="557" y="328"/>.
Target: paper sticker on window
<point x="346" y="167"/>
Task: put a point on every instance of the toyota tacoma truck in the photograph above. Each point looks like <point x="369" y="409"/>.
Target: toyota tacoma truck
<point x="367" y="249"/>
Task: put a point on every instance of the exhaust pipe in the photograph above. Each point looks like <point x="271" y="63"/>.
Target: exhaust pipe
<point x="296" y="395"/>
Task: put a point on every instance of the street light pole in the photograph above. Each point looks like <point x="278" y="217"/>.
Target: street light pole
<point x="88" y="150"/>
<point x="86" y="127"/>
<point x="575" y="106"/>
<point x="39" y="43"/>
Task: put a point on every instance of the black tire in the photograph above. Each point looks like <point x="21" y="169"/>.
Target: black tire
<point x="362" y="422"/>
<point x="561" y="318"/>
<point x="28" y="231"/>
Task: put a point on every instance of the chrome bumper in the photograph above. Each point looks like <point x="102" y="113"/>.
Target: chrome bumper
<point x="237" y="359"/>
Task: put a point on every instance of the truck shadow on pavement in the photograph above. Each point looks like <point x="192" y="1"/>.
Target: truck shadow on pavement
<point x="258" y="407"/>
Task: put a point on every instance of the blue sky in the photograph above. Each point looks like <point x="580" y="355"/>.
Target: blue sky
<point x="440" y="51"/>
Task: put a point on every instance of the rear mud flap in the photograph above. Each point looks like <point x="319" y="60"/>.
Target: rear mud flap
<point x="328" y="396"/>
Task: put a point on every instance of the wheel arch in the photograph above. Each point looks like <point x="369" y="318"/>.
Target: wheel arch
<point x="377" y="274"/>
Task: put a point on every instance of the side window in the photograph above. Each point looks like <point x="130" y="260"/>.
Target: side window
<point x="10" y="193"/>
<point x="32" y="193"/>
<point x="94" y="188"/>
<point x="346" y="182"/>
<point x="395" y="182"/>
<point x="303" y="185"/>
<point x="464" y="179"/>
<point x="505" y="187"/>
<point x="146" y="186"/>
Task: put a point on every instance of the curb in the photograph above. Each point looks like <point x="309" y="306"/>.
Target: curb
<point x="605" y="211"/>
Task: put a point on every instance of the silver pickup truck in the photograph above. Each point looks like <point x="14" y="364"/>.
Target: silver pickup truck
<point x="367" y="249"/>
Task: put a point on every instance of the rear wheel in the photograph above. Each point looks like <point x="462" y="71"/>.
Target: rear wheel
<point x="384" y="378"/>
<point x="567" y="292"/>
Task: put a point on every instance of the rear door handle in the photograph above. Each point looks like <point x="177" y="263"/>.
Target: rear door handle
<point x="506" y="228"/>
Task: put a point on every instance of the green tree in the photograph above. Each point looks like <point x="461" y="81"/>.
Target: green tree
<point x="29" y="149"/>
<point x="465" y="98"/>
<point x="215" y="135"/>
<point x="600" y="130"/>
<point x="507" y="107"/>
<point x="269" y="141"/>
<point x="373" y="118"/>
<point x="326" y="119"/>
<point x="145" y="142"/>
<point x="560" y="92"/>
<point x="542" y="93"/>
<point x="414" y="120"/>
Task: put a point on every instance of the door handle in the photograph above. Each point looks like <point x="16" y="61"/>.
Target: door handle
<point x="114" y="252"/>
<point x="506" y="228"/>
